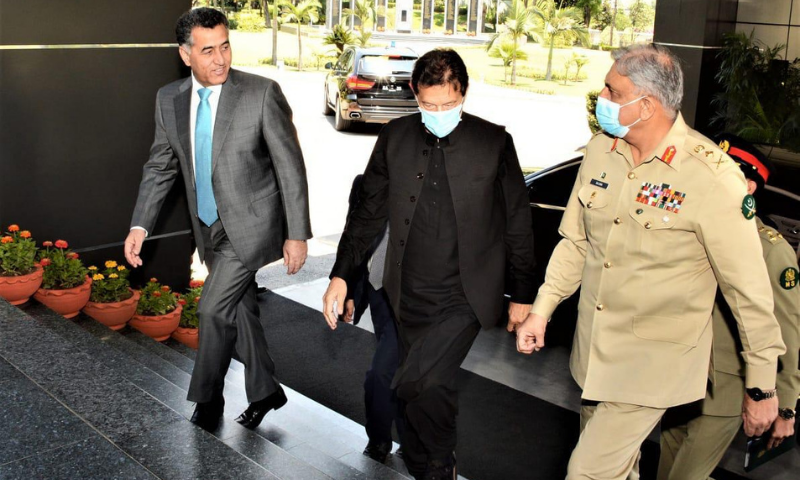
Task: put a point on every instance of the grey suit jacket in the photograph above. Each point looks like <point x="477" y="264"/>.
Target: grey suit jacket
<point x="259" y="176"/>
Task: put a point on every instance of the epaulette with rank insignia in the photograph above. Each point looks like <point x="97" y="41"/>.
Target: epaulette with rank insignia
<point x="770" y="234"/>
<point x="709" y="153"/>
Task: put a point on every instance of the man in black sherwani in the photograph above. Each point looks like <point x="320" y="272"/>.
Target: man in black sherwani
<point x="452" y="189"/>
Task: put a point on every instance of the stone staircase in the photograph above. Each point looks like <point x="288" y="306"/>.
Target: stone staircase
<point x="82" y="401"/>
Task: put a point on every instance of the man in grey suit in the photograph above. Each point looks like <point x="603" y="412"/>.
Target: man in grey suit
<point x="231" y="135"/>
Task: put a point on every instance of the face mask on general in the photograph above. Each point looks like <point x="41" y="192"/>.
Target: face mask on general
<point x="442" y="123"/>
<point x="607" y="113"/>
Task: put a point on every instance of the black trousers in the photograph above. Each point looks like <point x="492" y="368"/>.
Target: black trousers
<point x="381" y="402"/>
<point x="426" y="383"/>
<point x="229" y="324"/>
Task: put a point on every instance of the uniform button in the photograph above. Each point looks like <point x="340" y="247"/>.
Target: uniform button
<point x="639" y="211"/>
<point x="631" y="175"/>
<point x="648" y="225"/>
<point x="617" y="221"/>
<point x="607" y="264"/>
<point x="406" y="221"/>
<point x="420" y="176"/>
<point x="402" y="243"/>
<point x="600" y="307"/>
<point x="413" y="199"/>
<point x="589" y="205"/>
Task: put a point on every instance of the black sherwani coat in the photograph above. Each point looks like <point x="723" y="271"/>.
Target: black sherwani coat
<point x="490" y="201"/>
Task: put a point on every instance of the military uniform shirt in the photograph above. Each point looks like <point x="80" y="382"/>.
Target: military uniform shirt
<point x="648" y="245"/>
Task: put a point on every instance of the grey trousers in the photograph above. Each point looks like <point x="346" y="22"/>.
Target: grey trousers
<point x="229" y="324"/>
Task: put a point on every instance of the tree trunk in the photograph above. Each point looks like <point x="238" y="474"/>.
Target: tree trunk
<point x="549" y="75"/>
<point x="514" y="63"/>
<point x="613" y="24"/>
<point x="496" y="16"/>
<point x="265" y="9"/>
<point x="275" y="35"/>
<point x="299" y="48"/>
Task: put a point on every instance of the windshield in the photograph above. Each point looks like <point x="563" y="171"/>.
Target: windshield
<point x="385" y="65"/>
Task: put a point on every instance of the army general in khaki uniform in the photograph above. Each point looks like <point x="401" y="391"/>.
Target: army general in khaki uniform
<point x="694" y="437"/>
<point x="658" y="216"/>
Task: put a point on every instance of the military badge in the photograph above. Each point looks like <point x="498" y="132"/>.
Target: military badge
<point x="598" y="183"/>
<point x="788" y="278"/>
<point x="668" y="154"/>
<point x="749" y="207"/>
<point x="661" y="196"/>
<point x="725" y="145"/>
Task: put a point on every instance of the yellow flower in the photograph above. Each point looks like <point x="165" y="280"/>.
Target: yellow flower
<point x="98" y="276"/>
<point x="93" y="268"/>
<point x="113" y="275"/>
<point x="121" y="268"/>
<point x="111" y="264"/>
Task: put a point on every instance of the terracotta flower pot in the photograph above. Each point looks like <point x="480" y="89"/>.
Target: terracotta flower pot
<point x="17" y="290"/>
<point x="67" y="302"/>
<point x="187" y="336"/>
<point x="113" y="315"/>
<point x="157" y="327"/>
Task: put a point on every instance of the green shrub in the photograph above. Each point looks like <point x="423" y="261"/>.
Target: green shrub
<point x="591" y="103"/>
<point x="537" y="74"/>
<point x="248" y="21"/>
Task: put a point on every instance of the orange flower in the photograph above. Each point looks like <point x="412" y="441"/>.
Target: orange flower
<point x="196" y="283"/>
<point x="47" y="244"/>
<point x="13" y="228"/>
<point x="25" y="234"/>
<point x="156" y="294"/>
<point x="61" y="244"/>
<point x="6" y="239"/>
<point x="45" y="262"/>
<point x="165" y="288"/>
<point x="177" y="295"/>
<point x="154" y="279"/>
<point x="182" y="302"/>
<point x="72" y="255"/>
<point x="196" y="299"/>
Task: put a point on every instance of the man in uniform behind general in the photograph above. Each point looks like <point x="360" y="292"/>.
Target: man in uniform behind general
<point x="658" y="217"/>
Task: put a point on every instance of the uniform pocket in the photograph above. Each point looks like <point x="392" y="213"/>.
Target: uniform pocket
<point x="592" y="197"/>
<point x="667" y="329"/>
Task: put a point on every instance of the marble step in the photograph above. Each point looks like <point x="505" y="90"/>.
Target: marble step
<point x="309" y="437"/>
<point x="97" y="385"/>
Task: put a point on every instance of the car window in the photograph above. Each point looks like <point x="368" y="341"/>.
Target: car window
<point x="341" y="64"/>
<point x="384" y="65"/>
<point x="554" y="187"/>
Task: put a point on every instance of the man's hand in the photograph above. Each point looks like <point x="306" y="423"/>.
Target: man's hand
<point x="333" y="301"/>
<point x="133" y="245"/>
<point x="294" y="255"/>
<point x="349" y="311"/>
<point x="530" y="334"/>
<point x="781" y="430"/>
<point x="517" y="313"/>
<point x="758" y="416"/>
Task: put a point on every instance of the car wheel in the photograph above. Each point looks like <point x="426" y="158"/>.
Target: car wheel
<point x="340" y="123"/>
<point x="326" y="109"/>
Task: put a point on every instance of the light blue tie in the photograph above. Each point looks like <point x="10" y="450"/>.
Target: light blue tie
<point x="206" y="204"/>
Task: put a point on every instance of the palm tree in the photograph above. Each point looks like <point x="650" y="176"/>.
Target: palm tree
<point x="364" y="10"/>
<point x="504" y="50"/>
<point x="519" y="23"/>
<point x="556" y="22"/>
<point x="305" y="11"/>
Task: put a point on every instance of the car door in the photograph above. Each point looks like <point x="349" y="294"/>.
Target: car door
<point x="338" y="76"/>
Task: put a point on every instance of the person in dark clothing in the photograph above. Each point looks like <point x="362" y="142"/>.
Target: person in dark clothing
<point x="380" y="400"/>
<point x="451" y="187"/>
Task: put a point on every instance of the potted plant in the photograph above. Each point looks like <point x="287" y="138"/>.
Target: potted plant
<point x="65" y="284"/>
<point x="112" y="302"/>
<point x="188" y="332"/>
<point x="20" y="275"/>
<point x="158" y="312"/>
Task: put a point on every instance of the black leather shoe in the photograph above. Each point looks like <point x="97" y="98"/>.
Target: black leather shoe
<point x="207" y="414"/>
<point x="378" y="451"/>
<point x="441" y="469"/>
<point x="255" y="413"/>
<point x="261" y="290"/>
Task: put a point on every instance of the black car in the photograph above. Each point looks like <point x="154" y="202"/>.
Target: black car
<point x="370" y="85"/>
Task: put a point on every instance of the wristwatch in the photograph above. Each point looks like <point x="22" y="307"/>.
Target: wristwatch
<point x="756" y="394"/>
<point x="786" y="413"/>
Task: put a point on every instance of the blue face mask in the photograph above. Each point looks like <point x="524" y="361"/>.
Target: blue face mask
<point x="607" y="113"/>
<point x="442" y="123"/>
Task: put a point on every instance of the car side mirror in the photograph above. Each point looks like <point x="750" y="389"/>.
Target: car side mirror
<point x="328" y="65"/>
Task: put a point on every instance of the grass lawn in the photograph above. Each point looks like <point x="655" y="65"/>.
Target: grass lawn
<point x="249" y="48"/>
